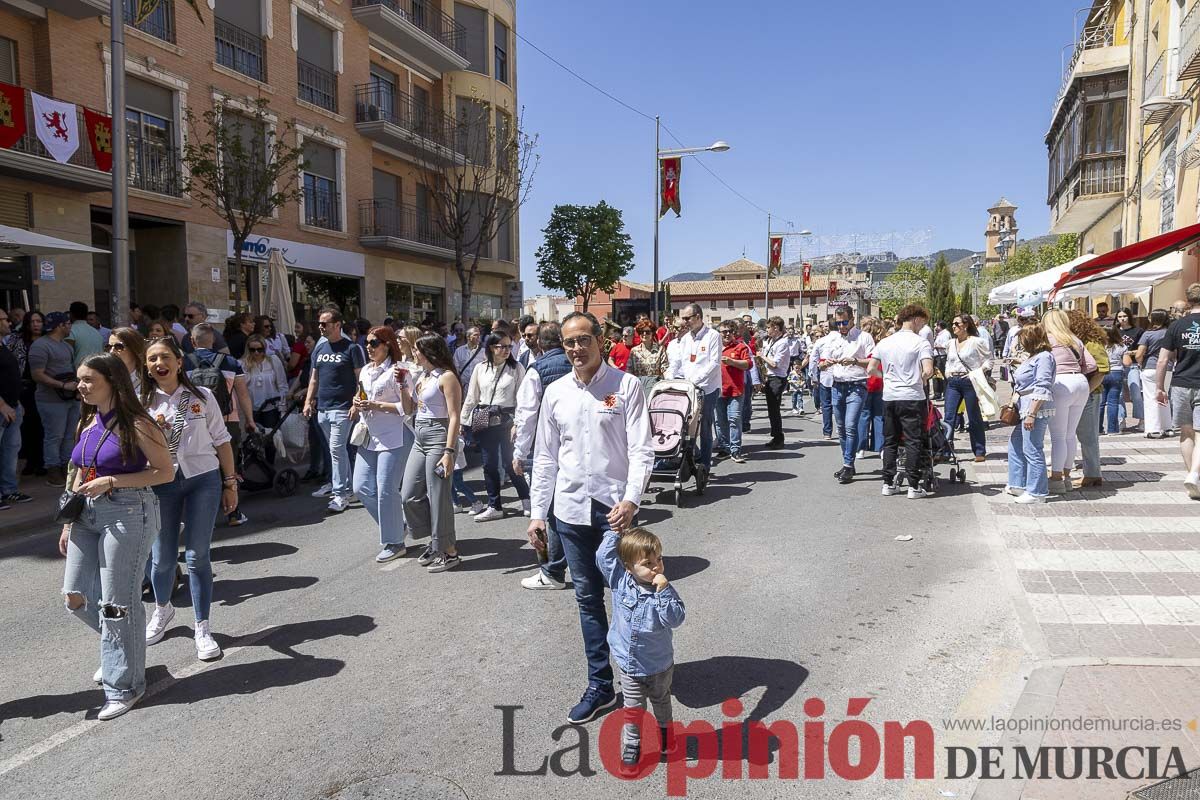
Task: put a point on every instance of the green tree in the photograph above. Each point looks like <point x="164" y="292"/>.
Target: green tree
<point x="940" y="299"/>
<point x="965" y="304"/>
<point x="585" y="250"/>
<point x="907" y="284"/>
<point x="1027" y="261"/>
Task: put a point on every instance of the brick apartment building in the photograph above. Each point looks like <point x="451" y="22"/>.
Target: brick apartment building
<point x="372" y="86"/>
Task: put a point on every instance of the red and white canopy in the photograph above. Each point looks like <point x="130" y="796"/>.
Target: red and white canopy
<point x="1134" y="268"/>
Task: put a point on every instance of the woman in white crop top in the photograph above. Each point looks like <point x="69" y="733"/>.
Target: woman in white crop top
<point x="493" y="390"/>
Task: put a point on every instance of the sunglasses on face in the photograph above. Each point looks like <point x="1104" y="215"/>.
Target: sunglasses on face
<point x="842" y="323"/>
<point x="578" y="341"/>
<point x="502" y="347"/>
<point x="529" y="335"/>
<point x="256" y="350"/>
<point x="687" y="319"/>
<point x="373" y="343"/>
<point x="323" y="323"/>
<point x="115" y="347"/>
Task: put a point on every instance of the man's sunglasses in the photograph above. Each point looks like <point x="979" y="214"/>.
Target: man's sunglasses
<point x="842" y="323"/>
<point x="115" y="347"/>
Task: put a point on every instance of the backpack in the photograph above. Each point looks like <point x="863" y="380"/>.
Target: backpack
<point x="209" y="375"/>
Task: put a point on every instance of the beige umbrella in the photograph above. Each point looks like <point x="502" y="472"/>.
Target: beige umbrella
<point x="278" y="301"/>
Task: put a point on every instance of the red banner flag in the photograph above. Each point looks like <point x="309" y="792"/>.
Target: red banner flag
<point x="99" y="133"/>
<point x="776" y="253"/>
<point x="807" y="276"/>
<point x="668" y="182"/>
<point x="12" y="114"/>
<point x="833" y="290"/>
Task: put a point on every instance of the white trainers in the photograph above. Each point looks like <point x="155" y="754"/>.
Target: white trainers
<point x="917" y="493"/>
<point x="338" y="504"/>
<point x="1192" y="484"/>
<point x="477" y="508"/>
<point x="526" y="507"/>
<point x="206" y="646"/>
<point x="159" y="621"/>
<point x="489" y="514"/>
<point x="115" y="708"/>
<point x="541" y="580"/>
<point x="1029" y="499"/>
<point x="99" y="676"/>
<point x="1013" y="491"/>
<point x="889" y="490"/>
<point x="324" y="491"/>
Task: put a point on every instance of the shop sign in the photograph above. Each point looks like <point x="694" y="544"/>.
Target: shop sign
<point x="46" y="269"/>
<point x="298" y="255"/>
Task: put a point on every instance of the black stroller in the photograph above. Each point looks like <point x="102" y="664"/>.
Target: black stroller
<point x="937" y="437"/>
<point x="258" y="471"/>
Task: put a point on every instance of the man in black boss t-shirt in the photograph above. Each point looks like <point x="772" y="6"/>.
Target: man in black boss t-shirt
<point x="1183" y="343"/>
<point x="336" y="362"/>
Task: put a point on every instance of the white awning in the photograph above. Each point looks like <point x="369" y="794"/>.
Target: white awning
<point x="20" y="242"/>
<point x="1126" y="280"/>
<point x="1038" y="282"/>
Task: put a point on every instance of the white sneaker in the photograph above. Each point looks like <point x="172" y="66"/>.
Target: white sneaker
<point x="99" y="676"/>
<point x="917" y="493"/>
<point x="115" y="708"/>
<point x="526" y="507"/>
<point x="542" y="581"/>
<point x="338" y="504"/>
<point x="489" y="514"/>
<point x="324" y="491"/>
<point x="159" y="621"/>
<point x="1029" y="499"/>
<point x="353" y="499"/>
<point x="462" y="510"/>
<point x="1192" y="484"/>
<point x="1013" y="491"/>
<point x="889" y="490"/>
<point x="206" y="646"/>
<point x="477" y="508"/>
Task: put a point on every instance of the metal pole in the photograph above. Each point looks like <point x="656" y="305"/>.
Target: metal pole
<point x="657" y="309"/>
<point x="119" y="274"/>
<point x="767" y="294"/>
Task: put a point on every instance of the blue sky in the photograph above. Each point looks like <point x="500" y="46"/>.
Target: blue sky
<point x="843" y="117"/>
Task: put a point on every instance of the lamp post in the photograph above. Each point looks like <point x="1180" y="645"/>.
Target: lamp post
<point x="718" y="146"/>
<point x="976" y="270"/>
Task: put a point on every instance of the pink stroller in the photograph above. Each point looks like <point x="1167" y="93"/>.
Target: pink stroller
<point x="675" y="413"/>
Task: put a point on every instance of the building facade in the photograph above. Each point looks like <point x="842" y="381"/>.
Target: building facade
<point x="374" y="89"/>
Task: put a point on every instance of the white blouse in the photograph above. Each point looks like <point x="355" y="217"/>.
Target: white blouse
<point x="966" y="357"/>
<point x="388" y="429"/>
<point x="203" y="428"/>
<point x="486" y="390"/>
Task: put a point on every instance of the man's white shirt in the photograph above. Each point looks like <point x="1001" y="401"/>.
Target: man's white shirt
<point x="700" y="359"/>
<point x="857" y="344"/>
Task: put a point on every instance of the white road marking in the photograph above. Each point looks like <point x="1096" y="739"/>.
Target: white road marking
<point x="1107" y="560"/>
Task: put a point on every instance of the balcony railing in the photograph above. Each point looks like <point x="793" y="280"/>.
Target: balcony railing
<point x="154" y="167"/>
<point x="1095" y="175"/>
<point x="381" y="217"/>
<point x="1093" y="37"/>
<point x="316" y="85"/>
<point x="427" y="17"/>
<point x="1160" y="80"/>
<point x="240" y="50"/>
<point x="322" y="208"/>
<point x="161" y="22"/>
<point x="1189" y="51"/>
<point x="30" y="144"/>
<point x="375" y="102"/>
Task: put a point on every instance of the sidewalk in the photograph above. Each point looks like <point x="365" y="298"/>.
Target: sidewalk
<point x="29" y="517"/>
<point x="1109" y="595"/>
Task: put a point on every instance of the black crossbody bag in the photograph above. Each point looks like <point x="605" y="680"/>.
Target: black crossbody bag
<point x="71" y="504"/>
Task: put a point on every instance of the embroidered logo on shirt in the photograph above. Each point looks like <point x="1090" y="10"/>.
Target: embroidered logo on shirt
<point x="195" y="408"/>
<point x="610" y="401"/>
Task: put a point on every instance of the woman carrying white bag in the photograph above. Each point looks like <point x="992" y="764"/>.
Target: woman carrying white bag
<point x="968" y="360"/>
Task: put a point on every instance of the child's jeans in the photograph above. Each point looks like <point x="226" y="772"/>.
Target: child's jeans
<point x="798" y="400"/>
<point x="463" y="496"/>
<point x="638" y="689"/>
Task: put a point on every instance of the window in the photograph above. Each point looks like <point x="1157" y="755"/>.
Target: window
<point x="500" y="46"/>
<point x="504" y="231"/>
<point x="505" y="151"/>
<point x="237" y="27"/>
<point x="149" y="114"/>
<point x="474" y="22"/>
<point x="8" y="61"/>
<point x="315" y="75"/>
<point x="1118" y="238"/>
<point x="472" y="234"/>
<point x="791" y="302"/>
<point x="730" y="304"/>
<point x="160" y="23"/>
<point x="712" y="305"/>
<point x="473" y="125"/>
<point x="1168" y="181"/>
<point x="381" y="94"/>
<point x="322" y="204"/>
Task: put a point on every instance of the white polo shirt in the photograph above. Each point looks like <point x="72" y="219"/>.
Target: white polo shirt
<point x="700" y="358"/>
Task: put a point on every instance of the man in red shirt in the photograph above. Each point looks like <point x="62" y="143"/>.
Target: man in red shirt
<point x="619" y="354"/>
<point x="735" y="360"/>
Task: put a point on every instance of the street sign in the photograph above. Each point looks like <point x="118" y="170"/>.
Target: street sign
<point x="46" y="270"/>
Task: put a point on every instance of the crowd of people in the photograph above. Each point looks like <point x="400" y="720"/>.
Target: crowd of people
<point x="145" y="422"/>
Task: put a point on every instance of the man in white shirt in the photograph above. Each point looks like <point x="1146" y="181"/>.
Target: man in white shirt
<point x="525" y="343"/>
<point x="777" y="355"/>
<point x="592" y="459"/>
<point x="824" y="398"/>
<point x="700" y="363"/>
<point x="845" y="356"/>
<point x="906" y="360"/>
<point x="941" y="343"/>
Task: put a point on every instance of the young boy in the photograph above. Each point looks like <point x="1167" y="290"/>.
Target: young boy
<point x="646" y="608"/>
<point x="796" y="384"/>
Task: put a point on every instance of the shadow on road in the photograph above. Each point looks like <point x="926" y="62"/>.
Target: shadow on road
<point x="493" y="553"/>
<point x="233" y="592"/>
<point x="249" y="553"/>
<point x="680" y="567"/>
<point x="247" y="679"/>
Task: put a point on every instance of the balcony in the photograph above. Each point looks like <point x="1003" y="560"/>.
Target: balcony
<point x="1160" y="82"/>
<point x="322" y="208"/>
<point x="391" y="117"/>
<point x="1189" y="51"/>
<point x="316" y="85"/>
<point x="417" y="28"/>
<point x="154" y="167"/>
<point x="1095" y="53"/>
<point x="161" y="22"/>
<point x="240" y="50"/>
<point x="1091" y="188"/>
<point x="389" y="225"/>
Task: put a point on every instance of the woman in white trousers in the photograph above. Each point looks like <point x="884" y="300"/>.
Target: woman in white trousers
<point x="1158" y="418"/>
<point x="1070" y="391"/>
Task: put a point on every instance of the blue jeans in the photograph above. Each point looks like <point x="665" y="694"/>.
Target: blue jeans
<point x="497" y="450"/>
<point x="10" y="447"/>
<point x="463" y="495"/>
<point x="798" y="400"/>
<point x="377" y="478"/>
<point x="1133" y="377"/>
<point x="580" y="543"/>
<point x="729" y="424"/>
<point x="1088" y="434"/>
<point x="1027" y="458"/>
<point x="962" y="390"/>
<point x="870" y="423"/>
<point x="194" y="501"/>
<point x="58" y="423"/>
<point x="105" y="552"/>
<point x="1112" y="399"/>
<point x="747" y="404"/>
<point x="335" y="424"/>
<point x="848" y="400"/>
<point x="825" y="405"/>
<point x="318" y="450"/>
<point x="707" y="420"/>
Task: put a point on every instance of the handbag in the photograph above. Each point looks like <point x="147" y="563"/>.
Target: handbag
<point x="71" y="504"/>
<point x="1009" y="415"/>
<point x="488" y="416"/>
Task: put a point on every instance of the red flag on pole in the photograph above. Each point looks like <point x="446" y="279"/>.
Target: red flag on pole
<point x="807" y="276"/>
<point x="669" y="169"/>
<point x="99" y="133"/>
<point x="776" y="253"/>
<point x="833" y="290"/>
<point x="12" y="114"/>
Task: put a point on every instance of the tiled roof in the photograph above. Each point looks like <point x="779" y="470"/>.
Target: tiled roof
<point x="786" y="283"/>
<point x="741" y="265"/>
<point x="642" y="287"/>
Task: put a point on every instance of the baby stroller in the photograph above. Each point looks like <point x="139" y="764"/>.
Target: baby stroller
<point x="258" y="471"/>
<point x="675" y="412"/>
<point x="937" y="437"/>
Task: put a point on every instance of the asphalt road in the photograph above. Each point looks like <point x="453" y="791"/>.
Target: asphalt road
<point x="338" y="671"/>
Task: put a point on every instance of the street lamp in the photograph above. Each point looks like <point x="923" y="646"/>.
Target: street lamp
<point x="976" y="270"/>
<point x="719" y="146"/>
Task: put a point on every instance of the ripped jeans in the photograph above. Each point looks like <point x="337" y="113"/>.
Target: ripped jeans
<point x="106" y="552"/>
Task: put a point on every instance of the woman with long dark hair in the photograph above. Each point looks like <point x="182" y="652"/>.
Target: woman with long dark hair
<point x="966" y="352"/>
<point x="493" y="389"/>
<point x="204" y="481"/>
<point x="129" y="346"/>
<point x="237" y="330"/>
<point x="1131" y="336"/>
<point x="379" y="465"/>
<point x="436" y="399"/>
<point x="31" y="423"/>
<point x="119" y="454"/>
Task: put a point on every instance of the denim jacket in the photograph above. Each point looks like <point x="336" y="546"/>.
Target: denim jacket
<point x="640" y="633"/>
<point x="1033" y="381"/>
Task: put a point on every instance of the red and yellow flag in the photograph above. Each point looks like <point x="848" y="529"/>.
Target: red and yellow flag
<point x="99" y="133"/>
<point x="12" y="114"/>
<point x="668" y="182"/>
<point x="833" y="290"/>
